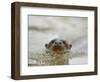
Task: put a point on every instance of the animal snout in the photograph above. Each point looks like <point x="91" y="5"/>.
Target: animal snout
<point x="58" y="43"/>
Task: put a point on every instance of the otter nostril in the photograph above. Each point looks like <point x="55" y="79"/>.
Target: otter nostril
<point x="59" y="42"/>
<point x="56" y="43"/>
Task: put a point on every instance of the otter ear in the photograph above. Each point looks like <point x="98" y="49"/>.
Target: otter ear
<point x="69" y="46"/>
<point x="46" y="45"/>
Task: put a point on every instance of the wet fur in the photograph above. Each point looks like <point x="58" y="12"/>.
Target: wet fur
<point x="59" y="51"/>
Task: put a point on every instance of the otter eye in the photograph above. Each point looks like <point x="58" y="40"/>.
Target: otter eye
<point x="52" y="41"/>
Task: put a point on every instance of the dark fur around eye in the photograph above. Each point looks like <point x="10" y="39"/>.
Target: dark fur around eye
<point x="68" y="46"/>
<point x="52" y="41"/>
<point x="64" y="42"/>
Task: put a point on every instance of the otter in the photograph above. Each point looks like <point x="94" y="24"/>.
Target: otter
<point x="59" y="50"/>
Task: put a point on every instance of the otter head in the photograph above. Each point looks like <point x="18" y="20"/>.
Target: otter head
<point x="58" y="46"/>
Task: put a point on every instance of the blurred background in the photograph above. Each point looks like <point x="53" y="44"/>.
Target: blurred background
<point x="42" y="29"/>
